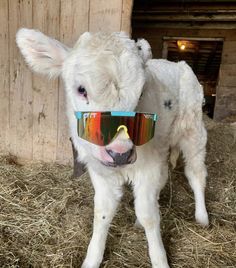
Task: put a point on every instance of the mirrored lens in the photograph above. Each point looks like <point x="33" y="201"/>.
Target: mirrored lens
<point x="101" y="127"/>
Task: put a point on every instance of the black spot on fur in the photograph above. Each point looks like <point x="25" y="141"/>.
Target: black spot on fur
<point x="141" y="96"/>
<point x="168" y="104"/>
<point x="104" y="217"/>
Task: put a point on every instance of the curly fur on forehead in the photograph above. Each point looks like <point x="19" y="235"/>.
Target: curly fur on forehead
<point x="106" y="42"/>
<point x="109" y="67"/>
<point x="100" y="76"/>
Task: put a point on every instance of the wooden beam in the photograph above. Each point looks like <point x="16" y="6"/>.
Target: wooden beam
<point x="229" y="52"/>
<point x="186" y="25"/>
<point x="227" y="75"/>
<point x="183" y="5"/>
<point x="185" y="16"/>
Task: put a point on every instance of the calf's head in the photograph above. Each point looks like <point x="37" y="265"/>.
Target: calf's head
<point x="102" y="72"/>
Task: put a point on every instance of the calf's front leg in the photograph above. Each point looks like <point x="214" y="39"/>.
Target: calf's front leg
<point x="106" y="199"/>
<point x="147" y="212"/>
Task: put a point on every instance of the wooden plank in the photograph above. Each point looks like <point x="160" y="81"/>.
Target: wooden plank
<point x="45" y="92"/>
<point x="4" y="76"/>
<point x="222" y="113"/>
<point x="126" y="16"/>
<point x="169" y="16"/>
<point x="225" y="107"/>
<point x="226" y="91"/>
<point x="21" y="119"/>
<point x="105" y="15"/>
<point x="141" y="30"/>
<point x="229" y="52"/>
<point x="189" y="5"/>
<point x="193" y="38"/>
<point x="74" y="20"/>
<point x="187" y="25"/>
<point x="227" y="75"/>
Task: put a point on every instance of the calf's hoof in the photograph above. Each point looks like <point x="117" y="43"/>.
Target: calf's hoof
<point x="161" y="265"/>
<point x="87" y="264"/>
<point x="202" y="218"/>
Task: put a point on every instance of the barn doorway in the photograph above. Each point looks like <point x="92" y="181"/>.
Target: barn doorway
<point x="207" y="27"/>
<point x="204" y="56"/>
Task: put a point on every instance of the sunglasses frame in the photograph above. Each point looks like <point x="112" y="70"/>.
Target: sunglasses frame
<point x="79" y="114"/>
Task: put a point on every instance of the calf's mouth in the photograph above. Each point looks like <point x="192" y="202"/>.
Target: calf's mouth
<point x="121" y="159"/>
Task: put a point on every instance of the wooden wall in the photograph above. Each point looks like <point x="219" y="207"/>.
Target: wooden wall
<point x="33" y="125"/>
<point x="225" y="106"/>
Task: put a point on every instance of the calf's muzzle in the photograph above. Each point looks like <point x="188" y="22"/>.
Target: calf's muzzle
<point x="120" y="159"/>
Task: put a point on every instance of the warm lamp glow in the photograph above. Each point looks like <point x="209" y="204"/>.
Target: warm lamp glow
<point x="182" y="44"/>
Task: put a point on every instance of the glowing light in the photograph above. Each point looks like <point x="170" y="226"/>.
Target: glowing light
<point x="182" y="44"/>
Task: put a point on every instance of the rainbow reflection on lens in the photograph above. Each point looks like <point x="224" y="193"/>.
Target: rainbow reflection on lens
<point x="100" y="128"/>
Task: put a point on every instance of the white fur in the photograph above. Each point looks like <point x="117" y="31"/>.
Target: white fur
<point x="115" y="73"/>
<point x="145" y="50"/>
<point x="44" y="55"/>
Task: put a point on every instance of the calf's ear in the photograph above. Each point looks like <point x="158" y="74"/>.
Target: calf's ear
<point x="145" y="50"/>
<point x="43" y="54"/>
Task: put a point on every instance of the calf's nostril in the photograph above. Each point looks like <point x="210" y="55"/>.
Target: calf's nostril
<point x="120" y="159"/>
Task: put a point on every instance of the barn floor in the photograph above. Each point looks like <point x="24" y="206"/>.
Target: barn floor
<point x="46" y="216"/>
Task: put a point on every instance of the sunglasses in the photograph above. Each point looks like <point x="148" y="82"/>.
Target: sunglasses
<point x="101" y="128"/>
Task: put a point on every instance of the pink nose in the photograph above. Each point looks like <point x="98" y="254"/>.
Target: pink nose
<point x="120" y="159"/>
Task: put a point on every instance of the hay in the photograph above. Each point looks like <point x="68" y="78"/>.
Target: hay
<point x="46" y="216"/>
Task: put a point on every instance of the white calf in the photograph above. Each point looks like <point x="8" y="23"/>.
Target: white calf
<point x="109" y="72"/>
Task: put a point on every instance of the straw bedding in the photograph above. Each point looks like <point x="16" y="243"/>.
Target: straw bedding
<point x="46" y="216"/>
